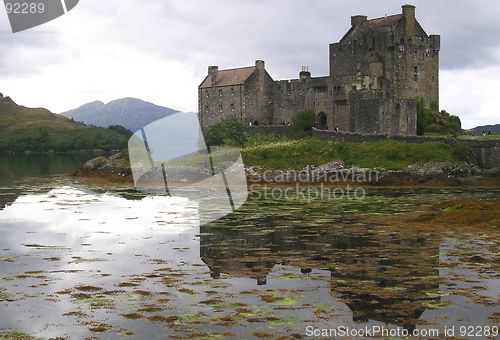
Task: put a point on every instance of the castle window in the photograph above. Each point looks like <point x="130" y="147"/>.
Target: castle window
<point x="415" y="73"/>
<point x="220" y="93"/>
<point x="354" y="88"/>
<point x="232" y="91"/>
<point x="220" y="108"/>
<point x="398" y="108"/>
<point x="207" y="94"/>
<point x="232" y="107"/>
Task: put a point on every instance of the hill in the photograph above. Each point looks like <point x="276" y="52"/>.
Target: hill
<point x="478" y="131"/>
<point x="131" y="113"/>
<point x="38" y="130"/>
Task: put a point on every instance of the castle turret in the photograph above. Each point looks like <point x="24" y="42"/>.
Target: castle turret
<point x="436" y="42"/>
<point x="410" y="21"/>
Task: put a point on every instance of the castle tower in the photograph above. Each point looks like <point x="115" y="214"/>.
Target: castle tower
<point x="390" y="61"/>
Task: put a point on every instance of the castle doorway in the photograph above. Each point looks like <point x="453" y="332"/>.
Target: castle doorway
<point x="322" y="121"/>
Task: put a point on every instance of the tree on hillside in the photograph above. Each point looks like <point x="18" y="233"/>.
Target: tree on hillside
<point x="120" y="129"/>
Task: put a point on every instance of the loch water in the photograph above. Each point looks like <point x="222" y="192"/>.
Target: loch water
<point x="79" y="262"/>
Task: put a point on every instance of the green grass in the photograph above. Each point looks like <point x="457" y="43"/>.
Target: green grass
<point x="15" y="335"/>
<point x="487" y="137"/>
<point x="490" y="137"/>
<point x="283" y="153"/>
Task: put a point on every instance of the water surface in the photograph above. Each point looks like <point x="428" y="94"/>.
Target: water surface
<point x="78" y="263"/>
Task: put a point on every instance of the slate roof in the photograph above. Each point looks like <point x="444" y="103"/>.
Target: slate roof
<point x="236" y="76"/>
<point x="373" y="25"/>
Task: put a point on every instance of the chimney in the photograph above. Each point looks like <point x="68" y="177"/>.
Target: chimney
<point x="410" y="21"/>
<point x="358" y="20"/>
<point x="260" y="64"/>
<point x="304" y="74"/>
<point x="212" y="73"/>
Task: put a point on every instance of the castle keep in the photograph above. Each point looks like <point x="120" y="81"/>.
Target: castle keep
<point x="377" y="71"/>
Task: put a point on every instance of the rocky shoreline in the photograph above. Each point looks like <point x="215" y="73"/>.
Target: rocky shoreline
<point x="116" y="168"/>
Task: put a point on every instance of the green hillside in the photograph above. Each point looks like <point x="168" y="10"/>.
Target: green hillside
<point x="38" y="130"/>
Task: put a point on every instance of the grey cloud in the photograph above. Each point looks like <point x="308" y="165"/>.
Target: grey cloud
<point x="288" y="33"/>
<point x="27" y="52"/>
<point x="233" y="32"/>
<point x="230" y="33"/>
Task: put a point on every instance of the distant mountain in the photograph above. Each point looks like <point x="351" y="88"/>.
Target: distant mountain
<point x="131" y="113"/>
<point x="478" y="131"/>
<point x="39" y="130"/>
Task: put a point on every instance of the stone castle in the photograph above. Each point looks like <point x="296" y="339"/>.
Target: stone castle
<point x="378" y="70"/>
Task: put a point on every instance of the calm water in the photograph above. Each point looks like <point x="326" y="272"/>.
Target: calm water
<point x="14" y="168"/>
<point x="81" y="264"/>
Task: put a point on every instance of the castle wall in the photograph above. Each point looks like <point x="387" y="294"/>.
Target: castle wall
<point x="420" y="69"/>
<point x="249" y="102"/>
<point x="216" y="103"/>
<point x="291" y="96"/>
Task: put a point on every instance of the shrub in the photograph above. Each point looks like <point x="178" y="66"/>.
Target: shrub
<point x="303" y="122"/>
<point x="424" y="117"/>
<point x="433" y="121"/>
<point x="230" y="131"/>
<point x="460" y="152"/>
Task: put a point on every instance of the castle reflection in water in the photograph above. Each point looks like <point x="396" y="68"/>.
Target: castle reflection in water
<point x="380" y="275"/>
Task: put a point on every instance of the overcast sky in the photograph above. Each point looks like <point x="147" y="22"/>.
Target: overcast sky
<point x="159" y="50"/>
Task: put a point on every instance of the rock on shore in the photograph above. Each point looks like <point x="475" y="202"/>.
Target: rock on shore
<point x="116" y="164"/>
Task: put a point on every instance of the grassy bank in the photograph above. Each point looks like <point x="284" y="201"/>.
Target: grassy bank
<point x="282" y="153"/>
<point x="487" y="137"/>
